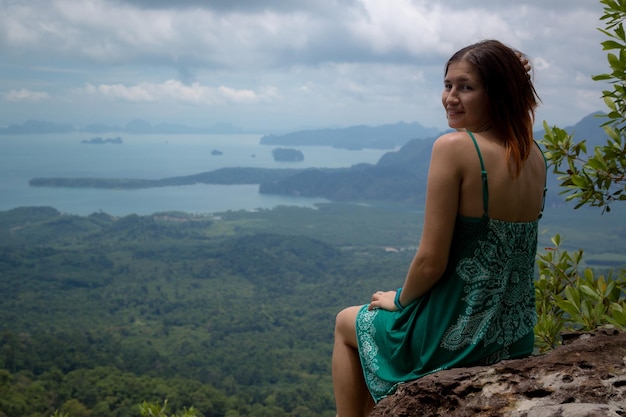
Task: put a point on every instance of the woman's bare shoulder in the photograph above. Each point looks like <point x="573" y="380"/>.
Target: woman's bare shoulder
<point x="453" y="136"/>
<point x="453" y="143"/>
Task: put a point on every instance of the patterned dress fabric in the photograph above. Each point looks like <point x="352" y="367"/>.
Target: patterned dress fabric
<point x="481" y="311"/>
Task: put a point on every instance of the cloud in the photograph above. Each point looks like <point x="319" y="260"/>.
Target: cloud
<point x="175" y="91"/>
<point x="244" y="6"/>
<point x="269" y="34"/>
<point x="332" y="61"/>
<point x="113" y="33"/>
<point x="415" y="28"/>
<point x="24" y="95"/>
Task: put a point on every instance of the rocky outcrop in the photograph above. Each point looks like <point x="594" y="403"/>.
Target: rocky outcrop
<point x="586" y="376"/>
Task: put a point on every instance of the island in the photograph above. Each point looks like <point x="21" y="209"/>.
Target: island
<point x="225" y="176"/>
<point x="287" y="155"/>
<point x="100" y="141"/>
<point x="216" y="152"/>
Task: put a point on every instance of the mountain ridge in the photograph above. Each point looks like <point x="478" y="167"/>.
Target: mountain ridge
<point x="401" y="175"/>
<point x="358" y="137"/>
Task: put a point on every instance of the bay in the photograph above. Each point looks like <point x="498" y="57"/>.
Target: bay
<point x="23" y="157"/>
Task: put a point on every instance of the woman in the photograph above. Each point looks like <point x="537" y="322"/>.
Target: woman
<point x="468" y="297"/>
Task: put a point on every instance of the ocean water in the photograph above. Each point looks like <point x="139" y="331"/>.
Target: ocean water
<point x="23" y="157"/>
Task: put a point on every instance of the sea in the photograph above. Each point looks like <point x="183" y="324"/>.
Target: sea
<point x="153" y="156"/>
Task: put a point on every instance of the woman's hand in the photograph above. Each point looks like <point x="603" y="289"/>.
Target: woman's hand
<point x="524" y="61"/>
<point x="383" y="300"/>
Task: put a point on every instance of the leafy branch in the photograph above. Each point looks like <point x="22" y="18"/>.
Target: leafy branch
<point x="569" y="301"/>
<point x="598" y="179"/>
<point x="566" y="299"/>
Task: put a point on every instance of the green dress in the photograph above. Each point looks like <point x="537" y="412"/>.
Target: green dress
<point x="481" y="311"/>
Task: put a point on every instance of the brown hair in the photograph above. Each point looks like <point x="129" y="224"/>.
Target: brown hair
<point x="511" y="95"/>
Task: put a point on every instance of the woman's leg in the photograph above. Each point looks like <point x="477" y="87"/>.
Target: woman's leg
<point x="351" y="395"/>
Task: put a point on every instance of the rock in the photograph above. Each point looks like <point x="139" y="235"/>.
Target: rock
<point x="584" y="377"/>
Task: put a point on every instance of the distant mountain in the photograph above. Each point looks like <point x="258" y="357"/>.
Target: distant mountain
<point x="588" y="128"/>
<point x="136" y="126"/>
<point x="387" y="136"/>
<point x="398" y="176"/>
<point x="139" y="126"/>
<point x="36" y="127"/>
<point x="355" y="137"/>
<point x="100" y="128"/>
<point x="401" y="175"/>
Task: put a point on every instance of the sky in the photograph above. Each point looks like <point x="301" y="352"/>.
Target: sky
<point x="272" y="66"/>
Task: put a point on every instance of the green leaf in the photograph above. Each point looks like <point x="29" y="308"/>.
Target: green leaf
<point x="569" y="307"/>
<point x="607" y="45"/>
<point x="613" y="60"/>
<point x="602" y="77"/>
<point x="590" y="292"/>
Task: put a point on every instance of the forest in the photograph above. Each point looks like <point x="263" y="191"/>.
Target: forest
<point x="230" y="313"/>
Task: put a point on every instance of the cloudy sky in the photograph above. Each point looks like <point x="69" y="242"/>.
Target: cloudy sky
<point x="279" y="65"/>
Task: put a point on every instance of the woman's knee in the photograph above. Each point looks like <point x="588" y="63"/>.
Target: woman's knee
<point x="345" y="323"/>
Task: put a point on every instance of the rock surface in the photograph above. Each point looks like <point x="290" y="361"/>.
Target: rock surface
<point x="584" y="377"/>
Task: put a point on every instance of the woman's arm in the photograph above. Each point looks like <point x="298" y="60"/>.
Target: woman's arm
<point x="442" y="200"/>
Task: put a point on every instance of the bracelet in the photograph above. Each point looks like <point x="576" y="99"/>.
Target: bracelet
<point x="396" y="300"/>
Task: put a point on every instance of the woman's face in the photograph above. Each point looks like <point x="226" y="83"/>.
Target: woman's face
<point x="465" y="98"/>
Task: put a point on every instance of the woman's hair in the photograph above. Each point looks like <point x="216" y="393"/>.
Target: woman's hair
<point x="512" y="98"/>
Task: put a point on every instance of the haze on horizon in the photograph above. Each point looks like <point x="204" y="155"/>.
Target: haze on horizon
<point x="273" y="65"/>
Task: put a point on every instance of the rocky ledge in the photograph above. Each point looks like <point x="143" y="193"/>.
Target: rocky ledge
<point x="586" y="376"/>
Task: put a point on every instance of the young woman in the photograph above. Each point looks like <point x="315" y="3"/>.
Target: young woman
<point x="468" y="297"/>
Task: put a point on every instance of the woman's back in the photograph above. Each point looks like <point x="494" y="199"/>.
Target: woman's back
<point x="509" y="199"/>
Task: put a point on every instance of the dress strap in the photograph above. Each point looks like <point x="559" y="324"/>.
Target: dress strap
<point x="483" y="174"/>
<point x="545" y="185"/>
